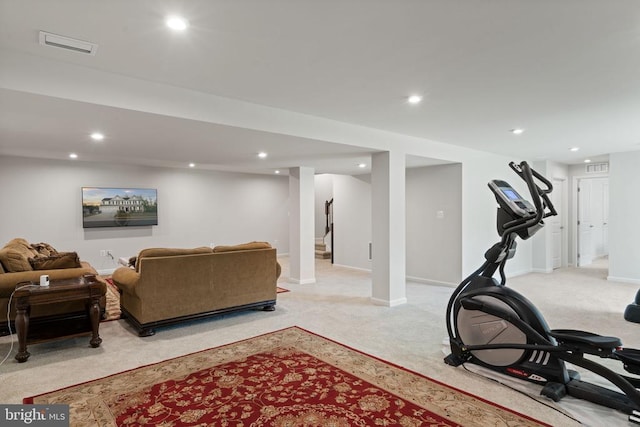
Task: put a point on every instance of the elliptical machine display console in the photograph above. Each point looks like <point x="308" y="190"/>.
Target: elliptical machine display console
<point x="493" y="326"/>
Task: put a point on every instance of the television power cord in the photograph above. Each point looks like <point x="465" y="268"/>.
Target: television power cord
<point x="9" y="319"/>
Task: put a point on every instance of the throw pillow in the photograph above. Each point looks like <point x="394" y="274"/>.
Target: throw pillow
<point x="15" y="257"/>
<point x="44" y="249"/>
<point x="56" y="261"/>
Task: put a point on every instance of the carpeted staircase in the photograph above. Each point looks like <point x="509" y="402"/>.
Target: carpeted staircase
<point x="322" y="251"/>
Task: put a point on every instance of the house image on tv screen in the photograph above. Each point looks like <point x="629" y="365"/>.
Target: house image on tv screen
<point x="119" y="207"/>
<point x="122" y="204"/>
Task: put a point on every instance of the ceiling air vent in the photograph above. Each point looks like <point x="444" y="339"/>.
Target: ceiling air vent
<point x="62" y="42"/>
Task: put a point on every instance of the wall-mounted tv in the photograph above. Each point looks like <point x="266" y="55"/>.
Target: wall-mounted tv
<point x="119" y="207"/>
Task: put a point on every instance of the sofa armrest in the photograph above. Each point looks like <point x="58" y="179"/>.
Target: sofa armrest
<point x="126" y="279"/>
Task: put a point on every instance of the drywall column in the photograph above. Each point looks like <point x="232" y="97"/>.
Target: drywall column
<point x="388" y="222"/>
<point x="624" y="233"/>
<point x="302" y="225"/>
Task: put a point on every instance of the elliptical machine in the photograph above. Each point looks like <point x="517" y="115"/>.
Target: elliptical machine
<point x="495" y="327"/>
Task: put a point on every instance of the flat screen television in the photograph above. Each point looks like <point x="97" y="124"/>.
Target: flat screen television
<point x="119" y="207"/>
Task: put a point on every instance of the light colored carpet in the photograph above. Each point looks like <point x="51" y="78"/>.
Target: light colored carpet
<point x="338" y="307"/>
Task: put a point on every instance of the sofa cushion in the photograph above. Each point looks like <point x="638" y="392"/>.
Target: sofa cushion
<point x="56" y="261"/>
<point x="243" y="247"/>
<point x="161" y="252"/>
<point x="15" y="256"/>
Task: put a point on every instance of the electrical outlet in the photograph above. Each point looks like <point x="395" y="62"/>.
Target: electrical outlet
<point x="103" y="252"/>
<point x="109" y="253"/>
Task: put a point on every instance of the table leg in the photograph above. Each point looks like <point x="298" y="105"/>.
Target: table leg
<point x="94" y="315"/>
<point x="22" y="328"/>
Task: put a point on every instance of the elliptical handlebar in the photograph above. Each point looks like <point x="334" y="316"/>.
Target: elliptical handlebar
<point x="539" y="196"/>
<point x="527" y="173"/>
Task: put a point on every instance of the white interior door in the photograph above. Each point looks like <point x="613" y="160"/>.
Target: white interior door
<point x="557" y="229"/>
<point x="599" y="191"/>
<point x="585" y="223"/>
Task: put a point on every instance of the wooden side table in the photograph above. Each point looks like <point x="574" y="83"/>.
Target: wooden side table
<point x="86" y="288"/>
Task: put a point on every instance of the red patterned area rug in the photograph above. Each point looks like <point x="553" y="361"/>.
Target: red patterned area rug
<point x="286" y="378"/>
<point x="112" y="309"/>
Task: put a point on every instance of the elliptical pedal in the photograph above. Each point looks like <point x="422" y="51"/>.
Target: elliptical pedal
<point x="586" y="342"/>
<point x="630" y="358"/>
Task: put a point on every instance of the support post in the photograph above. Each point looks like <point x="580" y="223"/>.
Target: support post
<point x="388" y="223"/>
<point x="302" y="225"/>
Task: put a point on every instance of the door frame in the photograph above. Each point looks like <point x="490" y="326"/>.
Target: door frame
<point x="573" y="261"/>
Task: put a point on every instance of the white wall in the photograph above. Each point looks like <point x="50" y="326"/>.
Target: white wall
<point x="434" y="241"/>
<point x="624" y="232"/>
<point x="41" y="202"/>
<point x="470" y="234"/>
<point x="352" y="219"/>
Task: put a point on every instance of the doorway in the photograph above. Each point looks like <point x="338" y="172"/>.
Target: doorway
<point x="593" y="222"/>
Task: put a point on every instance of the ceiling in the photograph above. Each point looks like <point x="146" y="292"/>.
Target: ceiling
<point x="567" y="72"/>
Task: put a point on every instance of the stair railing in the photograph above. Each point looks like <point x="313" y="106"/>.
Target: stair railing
<point x="328" y="228"/>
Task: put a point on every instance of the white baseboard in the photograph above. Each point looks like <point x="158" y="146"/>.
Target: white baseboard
<point x="431" y="282"/>
<point x="386" y="303"/>
<point x="624" y="280"/>
<point x="542" y="270"/>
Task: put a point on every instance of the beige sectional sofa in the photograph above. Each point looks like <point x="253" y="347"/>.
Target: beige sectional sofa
<point x="21" y="261"/>
<point x="168" y="286"/>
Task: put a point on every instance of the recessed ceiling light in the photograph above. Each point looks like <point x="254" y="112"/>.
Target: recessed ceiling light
<point x="516" y="131"/>
<point x="262" y="155"/>
<point x="277" y="172"/>
<point x="587" y="160"/>
<point x="574" y="148"/>
<point x="414" y="99"/>
<point x="73" y="156"/>
<point x="362" y="165"/>
<point x="97" y="136"/>
<point x="177" y="23"/>
<point x="192" y="165"/>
